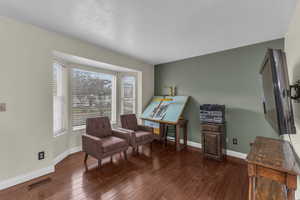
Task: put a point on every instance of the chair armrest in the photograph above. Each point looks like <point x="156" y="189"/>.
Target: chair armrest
<point x="127" y="135"/>
<point x="145" y="128"/>
<point x="126" y="130"/>
<point x="91" y="145"/>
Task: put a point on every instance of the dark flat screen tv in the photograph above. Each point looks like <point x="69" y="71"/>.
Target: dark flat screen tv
<point x="277" y="102"/>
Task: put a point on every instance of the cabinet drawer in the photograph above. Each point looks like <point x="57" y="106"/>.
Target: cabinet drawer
<point x="212" y="127"/>
<point x="213" y="140"/>
<point x="211" y="144"/>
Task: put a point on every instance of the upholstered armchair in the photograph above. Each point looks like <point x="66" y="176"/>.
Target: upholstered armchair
<point x="101" y="140"/>
<point x="140" y="134"/>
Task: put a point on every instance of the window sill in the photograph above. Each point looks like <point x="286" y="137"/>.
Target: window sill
<point x="60" y="133"/>
<point x="83" y="127"/>
<point x="79" y="128"/>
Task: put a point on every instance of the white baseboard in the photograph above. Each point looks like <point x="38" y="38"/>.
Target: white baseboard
<point x="236" y="154"/>
<point x="199" y="146"/>
<point x="38" y="173"/>
<point x="41" y="172"/>
<point x="68" y="152"/>
<point x="26" y="177"/>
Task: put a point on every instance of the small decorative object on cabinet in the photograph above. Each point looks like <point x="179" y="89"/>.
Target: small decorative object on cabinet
<point x="213" y="140"/>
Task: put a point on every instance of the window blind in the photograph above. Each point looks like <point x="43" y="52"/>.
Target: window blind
<point x="128" y="94"/>
<point x="91" y="95"/>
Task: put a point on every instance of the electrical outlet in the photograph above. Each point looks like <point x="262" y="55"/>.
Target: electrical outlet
<point x="41" y="155"/>
<point x="2" y="107"/>
<point x="235" y="141"/>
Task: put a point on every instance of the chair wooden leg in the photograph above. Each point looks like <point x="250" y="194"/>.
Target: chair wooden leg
<point x="125" y="154"/>
<point x="99" y="163"/>
<point x="166" y="135"/>
<point x="136" y="150"/>
<point x="85" y="161"/>
<point x="85" y="158"/>
<point x="111" y="159"/>
<point x="151" y="148"/>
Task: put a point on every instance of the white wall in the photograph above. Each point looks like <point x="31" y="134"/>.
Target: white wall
<point x="292" y="48"/>
<point x="25" y="77"/>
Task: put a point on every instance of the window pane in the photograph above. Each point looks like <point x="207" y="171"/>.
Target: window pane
<point x="91" y="95"/>
<point x="128" y="106"/>
<point x="54" y="83"/>
<point x="58" y="100"/>
<point x="58" y="114"/>
<point x="128" y="95"/>
<point x="128" y="86"/>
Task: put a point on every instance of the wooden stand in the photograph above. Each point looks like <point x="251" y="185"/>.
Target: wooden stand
<point x="167" y="110"/>
<point x="274" y="160"/>
<point x="213" y="140"/>
<point x="181" y="124"/>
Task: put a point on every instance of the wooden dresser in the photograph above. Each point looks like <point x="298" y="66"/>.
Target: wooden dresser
<point x="213" y="140"/>
<point x="272" y="170"/>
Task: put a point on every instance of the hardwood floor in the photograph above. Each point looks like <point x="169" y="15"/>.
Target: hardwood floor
<point x="166" y="175"/>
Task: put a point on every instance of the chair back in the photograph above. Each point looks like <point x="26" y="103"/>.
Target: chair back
<point x="129" y="121"/>
<point x="98" y="127"/>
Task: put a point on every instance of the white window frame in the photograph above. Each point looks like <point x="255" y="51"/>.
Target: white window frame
<point x="60" y="94"/>
<point x="121" y="95"/>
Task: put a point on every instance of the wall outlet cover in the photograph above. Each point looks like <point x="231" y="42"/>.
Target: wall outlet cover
<point x="41" y="155"/>
<point x="235" y="141"/>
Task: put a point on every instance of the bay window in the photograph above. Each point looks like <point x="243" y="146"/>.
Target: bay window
<point x="81" y="92"/>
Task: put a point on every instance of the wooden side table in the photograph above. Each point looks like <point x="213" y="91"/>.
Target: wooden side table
<point x="275" y="160"/>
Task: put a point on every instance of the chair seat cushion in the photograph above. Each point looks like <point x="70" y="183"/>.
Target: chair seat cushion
<point x="112" y="143"/>
<point x="143" y="136"/>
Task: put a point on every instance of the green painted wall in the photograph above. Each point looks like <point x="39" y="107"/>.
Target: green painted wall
<point x="229" y="77"/>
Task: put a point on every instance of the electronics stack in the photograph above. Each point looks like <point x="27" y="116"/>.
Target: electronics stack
<point x="212" y="113"/>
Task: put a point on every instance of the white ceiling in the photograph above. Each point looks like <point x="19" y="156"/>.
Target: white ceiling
<point x="159" y="31"/>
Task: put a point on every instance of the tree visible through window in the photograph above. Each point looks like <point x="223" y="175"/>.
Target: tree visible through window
<point x="128" y="95"/>
<point x="91" y="95"/>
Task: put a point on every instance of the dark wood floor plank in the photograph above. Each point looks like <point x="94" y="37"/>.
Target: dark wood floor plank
<point x="164" y="175"/>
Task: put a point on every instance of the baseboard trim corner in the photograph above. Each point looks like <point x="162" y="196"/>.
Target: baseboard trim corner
<point x="65" y="154"/>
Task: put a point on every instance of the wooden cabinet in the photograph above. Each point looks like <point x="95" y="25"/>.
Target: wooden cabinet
<point x="213" y="140"/>
<point x="272" y="169"/>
